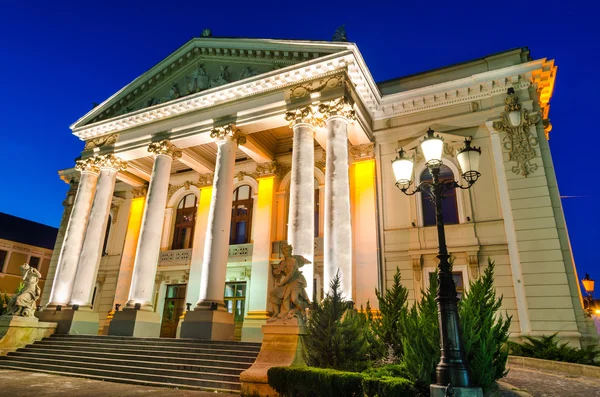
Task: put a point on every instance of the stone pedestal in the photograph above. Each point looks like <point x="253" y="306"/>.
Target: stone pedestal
<point x="72" y="322"/>
<point x="207" y="324"/>
<point x="282" y="346"/>
<point x="17" y="332"/>
<point x="137" y="323"/>
<point x="440" y="391"/>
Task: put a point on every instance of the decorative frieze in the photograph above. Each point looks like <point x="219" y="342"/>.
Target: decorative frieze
<point x="105" y="140"/>
<point x="318" y="85"/>
<point x="362" y="152"/>
<point x="518" y="139"/>
<point x="164" y="147"/>
<point x="228" y="132"/>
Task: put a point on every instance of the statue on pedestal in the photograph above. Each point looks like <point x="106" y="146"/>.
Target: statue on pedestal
<point x="23" y="303"/>
<point x="288" y="297"/>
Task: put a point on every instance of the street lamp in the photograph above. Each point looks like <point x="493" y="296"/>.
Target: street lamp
<point x="452" y="368"/>
<point x="588" y="286"/>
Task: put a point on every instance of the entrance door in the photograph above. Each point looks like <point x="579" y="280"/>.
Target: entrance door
<point x="235" y="301"/>
<point x="174" y="307"/>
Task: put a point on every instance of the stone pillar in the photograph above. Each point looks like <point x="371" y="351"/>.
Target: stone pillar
<point x="74" y="235"/>
<point x="91" y="251"/>
<point x="338" y="230"/>
<point x="261" y="254"/>
<point x="210" y="319"/>
<point x="301" y="221"/>
<point x="144" y="321"/>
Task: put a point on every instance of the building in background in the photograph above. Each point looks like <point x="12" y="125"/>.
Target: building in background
<point x="23" y="241"/>
<point x="193" y="175"/>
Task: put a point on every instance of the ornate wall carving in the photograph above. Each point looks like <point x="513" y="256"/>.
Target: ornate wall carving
<point x="105" y="140"/>
<point x="363" y="152"/>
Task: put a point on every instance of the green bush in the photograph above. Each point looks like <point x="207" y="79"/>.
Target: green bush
<point x="549" y="348"/>
<point x="336" y="334"/>
<point x="484" y="332"/>
<point x="392" y="307"/>
<point x="319" y="382"/>
<point x="390" y="370"/>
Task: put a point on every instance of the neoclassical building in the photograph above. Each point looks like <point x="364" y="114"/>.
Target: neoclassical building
<point x="194" y="174"/>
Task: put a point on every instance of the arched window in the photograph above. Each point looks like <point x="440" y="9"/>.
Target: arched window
<point x="184" y="222"/>
<point x="449" y="204"/>
<point x="241" y="215"/>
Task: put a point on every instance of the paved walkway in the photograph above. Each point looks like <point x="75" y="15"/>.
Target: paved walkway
<point x="33" y="384"/>
<point x="537" y="383"/>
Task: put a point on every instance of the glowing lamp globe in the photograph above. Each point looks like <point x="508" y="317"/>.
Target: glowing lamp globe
<point x="402" y="167"/>
<point x="468" y="158"/>
<point x="432" y="147"/>
<point x="588" y="284"/>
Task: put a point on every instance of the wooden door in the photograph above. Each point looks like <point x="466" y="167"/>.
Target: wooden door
<point x="174" y="308"/>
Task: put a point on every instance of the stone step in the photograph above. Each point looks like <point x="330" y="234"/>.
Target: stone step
<point x="130" y="367"/>
<point x="183" y="353"/>
<point x="161" y="341"/>
<point x="175" y="345"/>
<point x="177" y="366"/>
<point x="129" y="374"/>
<point x="155" y="360"/>
<point x="121" y="380"/>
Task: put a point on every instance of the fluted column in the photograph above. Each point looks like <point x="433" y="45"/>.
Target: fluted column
<point x="301" y="221"/>
<point x="91" y="251"/>
<point x="216" y="246"/>
<point x="338" y="230"/>
<point x="144" y="268"/>
<point x="74" y="235"/>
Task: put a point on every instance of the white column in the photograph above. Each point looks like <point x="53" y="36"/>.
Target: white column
<point x="91" y="251"/>
<point x="301" y="221"/>
<point x="71" y="248"/>
<point x="216" y="246"/>
<point x="338" y="230"/>
<point x="144" y="268"/>
<point x="193" y="287"/>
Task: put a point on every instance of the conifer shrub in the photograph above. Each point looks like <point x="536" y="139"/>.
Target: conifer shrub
<point x="336" y="333"/>
<point x="484" y="331"/>
<point x="548" y="347"/>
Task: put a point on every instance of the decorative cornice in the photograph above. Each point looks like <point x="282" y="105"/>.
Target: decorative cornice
<point x="111" y="161"/>
<point x="518" y="140"/>
<point x="228" y="132"/>
<point x="337" y="107"/>
<point x="164" y="147"/>
<point x="363" y="152"/>
<point x="87" y="165"/>
<point x="105" y="140"/>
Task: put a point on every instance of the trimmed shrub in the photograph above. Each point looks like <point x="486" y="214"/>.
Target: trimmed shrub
<point x="549" y="348"/>
<point x="390" y="370"/>
<point x="336" y="334"/>
<point x="319" y="382"/>
<point x="484" y="331"/>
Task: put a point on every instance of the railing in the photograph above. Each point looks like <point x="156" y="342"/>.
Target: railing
<point x="240" y="252"/>
<point x="167" y="257"/>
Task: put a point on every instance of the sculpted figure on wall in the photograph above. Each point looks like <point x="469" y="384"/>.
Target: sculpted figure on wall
<point x="23" y="303"/>
<point x="222" y="78"/>
<point x="289" y="296"/>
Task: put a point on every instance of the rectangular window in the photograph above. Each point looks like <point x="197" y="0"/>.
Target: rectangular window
<point x="458" y="282"/>
<point x="34" y="262"/>
<point x="235" y="298"/>
<point x="3" y="256"/>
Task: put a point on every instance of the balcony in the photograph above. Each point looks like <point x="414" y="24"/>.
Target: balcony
<point x="240" y="253"/>
<point x="175" y="257"/>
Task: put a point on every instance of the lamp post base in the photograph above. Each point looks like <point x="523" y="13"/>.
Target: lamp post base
<point x="445" y="391"/>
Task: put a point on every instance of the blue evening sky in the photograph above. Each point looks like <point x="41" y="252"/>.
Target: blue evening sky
<point x="57" y="57"/>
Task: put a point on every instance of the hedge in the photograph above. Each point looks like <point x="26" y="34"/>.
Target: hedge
<point x="311" y="382"/>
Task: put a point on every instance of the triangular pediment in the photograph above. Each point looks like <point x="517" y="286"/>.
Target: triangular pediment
<point x="203" y="64"/>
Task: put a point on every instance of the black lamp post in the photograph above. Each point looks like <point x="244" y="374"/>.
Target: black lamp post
<point x="452" y="368"/>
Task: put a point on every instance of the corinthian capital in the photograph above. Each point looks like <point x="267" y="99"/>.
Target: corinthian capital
<point x="87" y="165"/>
<point x="337" y="107"/>
<point x="164" y="147"/>
<point x="228" y="132"/>
<point x="111" y="161"/>
<point x="306" y="115"/>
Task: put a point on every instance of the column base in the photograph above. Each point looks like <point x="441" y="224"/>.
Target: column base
<point x="136" y="323"/>
<point x="208" y="324"/>
<point x="252" y="328"/>
<point x="282" y="346"/>
<point x="71" y="322"/>
<point x="440" y="391"/>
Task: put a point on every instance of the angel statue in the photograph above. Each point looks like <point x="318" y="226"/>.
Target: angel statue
<point x="289" y="296"/>
<point x="23" y="303"/>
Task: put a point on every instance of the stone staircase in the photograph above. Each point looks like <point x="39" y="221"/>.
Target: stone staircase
<point x="178" y="363"/>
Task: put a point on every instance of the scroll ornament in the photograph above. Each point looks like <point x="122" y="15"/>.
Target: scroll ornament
<point x="228" y="132"/>
<point x="164" y="147"/>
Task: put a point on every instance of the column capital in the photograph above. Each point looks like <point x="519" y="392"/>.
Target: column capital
<point x="228" y="133"/>
<point x="305" y="115"/>
<point x="340" y="107"/>
<point x="87" y="165"/>
<point x="111" y="161"/>
<point x="164" y="147"/>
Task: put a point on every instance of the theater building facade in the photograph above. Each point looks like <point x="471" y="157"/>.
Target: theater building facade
<point x="193" y="176"/>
